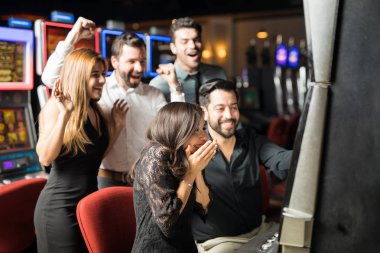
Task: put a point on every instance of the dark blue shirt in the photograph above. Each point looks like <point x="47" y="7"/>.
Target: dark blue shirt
<point x="235" y="186"/>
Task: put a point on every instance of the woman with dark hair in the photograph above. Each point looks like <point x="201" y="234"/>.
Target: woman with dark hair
<point x="168" y="180"/>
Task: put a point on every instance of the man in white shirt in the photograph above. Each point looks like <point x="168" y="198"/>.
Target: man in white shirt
<point x="129" y="62"/>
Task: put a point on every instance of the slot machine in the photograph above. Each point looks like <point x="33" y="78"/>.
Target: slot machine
<point x="302" y="75"/>
<point x="48" y="34"/>
<point x="268" y="94"/>
<point x="103" y="41"/>
<point x="18" y="158"/>
<point x="281" y="60"/>
<point x="250" y="85"/>
<point x="291" y="98"/>
<point x="333" y="203"/>
<point x="332" y="193"/>
<point x="158" y="52"/>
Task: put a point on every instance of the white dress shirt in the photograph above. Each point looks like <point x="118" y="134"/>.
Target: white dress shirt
<point x="144" y="102"/>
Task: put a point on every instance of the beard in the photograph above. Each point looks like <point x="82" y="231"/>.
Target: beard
<point x="126" y="77"/>
<point x="216" y="126"/>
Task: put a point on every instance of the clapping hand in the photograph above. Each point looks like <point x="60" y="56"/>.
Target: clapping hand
<point x="65" y="105"/>
<point x="119" y="112"/>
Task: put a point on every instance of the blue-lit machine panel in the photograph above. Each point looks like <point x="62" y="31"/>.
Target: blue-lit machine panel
<point x="158" y="52"/>
<point x="107" y="36"/>
<point x="293" y="57"/>
<point x="63" y="17"/>
<point x="17" y="136"/>
<point x="281" y="55"/>
<point x="19" y="22"/>
<point x="18" y="163"/>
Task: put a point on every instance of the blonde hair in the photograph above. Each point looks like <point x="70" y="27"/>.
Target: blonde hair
<point x="75" y="76"/>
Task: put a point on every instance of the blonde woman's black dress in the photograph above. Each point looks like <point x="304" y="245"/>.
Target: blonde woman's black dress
<point x="71" y="178"/>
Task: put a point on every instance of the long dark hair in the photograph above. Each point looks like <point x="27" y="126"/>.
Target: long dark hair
<point x="172" y="127"/>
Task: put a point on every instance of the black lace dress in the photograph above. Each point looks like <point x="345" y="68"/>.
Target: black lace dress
<point x="160" y="226"/>
<point x="71" y="179"/>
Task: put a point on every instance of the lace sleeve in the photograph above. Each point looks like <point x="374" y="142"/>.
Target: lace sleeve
<point x="160" y="187"/>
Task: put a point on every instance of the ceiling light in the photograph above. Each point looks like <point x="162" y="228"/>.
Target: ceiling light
<point x="262" y="34"/>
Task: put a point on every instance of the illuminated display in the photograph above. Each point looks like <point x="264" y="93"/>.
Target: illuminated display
<point x="13" y="130"/>
<point x="294" y="57"/>
<point x="8" y="165"/>
<point x="158" y="53"/>
<point x="56" y="32"/>
<point x="11" y="61"/>
<point x="16" y="59"/>
<point x="281" y="55"/>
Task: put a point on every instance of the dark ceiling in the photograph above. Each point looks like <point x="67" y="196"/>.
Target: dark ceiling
<point x="141" y="10"/>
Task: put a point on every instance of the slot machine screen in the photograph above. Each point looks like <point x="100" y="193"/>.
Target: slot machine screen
<point x="294" y="57"/>
<point x="17" y="154"/>
<point x="106" y="40"/>
<point x="55" y="32"/>
<point x="11" y="61"/>
<point x="158" y="53"/>
<point x="16" y="59"/>
<point x="281" y="55"/>
<point x="14" y="134"/>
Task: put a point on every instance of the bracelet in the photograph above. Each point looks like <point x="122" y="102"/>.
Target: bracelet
<point x="188" y="184"/>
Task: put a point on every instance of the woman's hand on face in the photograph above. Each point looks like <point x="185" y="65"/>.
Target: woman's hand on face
<point x="200" y="158"/>
<point x="119" y="112"/>
<point x="65" y="105"/>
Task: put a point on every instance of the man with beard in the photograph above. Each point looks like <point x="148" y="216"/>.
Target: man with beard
<point x="187" y="73"/>
<point x="128" y="58"/>
<point x="234" y="214"/>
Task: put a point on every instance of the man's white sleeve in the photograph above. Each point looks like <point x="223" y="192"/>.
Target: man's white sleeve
<point x="55" y="62"/>
<point x="177" y="98"/>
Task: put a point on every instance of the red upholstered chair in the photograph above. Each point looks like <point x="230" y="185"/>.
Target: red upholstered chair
<point x="271" y="204"/>
<point x="291" y="129"/>
<point x="276" y="131"/>
<point x="264" y="182"/>
<point x="107" y="220"/>
<point x="283" y="133"/>
<point x="17" y="204"/>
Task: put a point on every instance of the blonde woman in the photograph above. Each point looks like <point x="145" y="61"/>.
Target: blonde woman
<point x="73" y="137"/>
